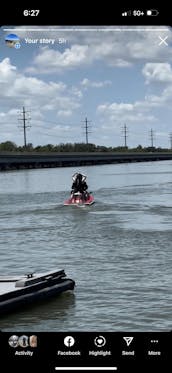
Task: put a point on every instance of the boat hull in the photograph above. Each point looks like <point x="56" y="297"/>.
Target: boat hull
<point x="29" y="294"/>
<point x="78" y="201"/>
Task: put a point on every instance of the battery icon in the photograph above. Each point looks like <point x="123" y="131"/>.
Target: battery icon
<point x="152" y="12"/>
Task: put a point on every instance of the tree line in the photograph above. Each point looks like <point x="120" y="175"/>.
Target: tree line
<point x="76" y="147"/>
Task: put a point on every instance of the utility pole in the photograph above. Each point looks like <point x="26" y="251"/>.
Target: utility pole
<point x="125" y="130"/>
<point x="170" y="140"/>
<point x="86" y="128"/>
<point x="152" y="137"/>
<point x="24" y="126"/>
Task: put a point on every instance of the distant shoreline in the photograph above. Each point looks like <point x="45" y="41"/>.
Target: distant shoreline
<point x="31" y="160"/>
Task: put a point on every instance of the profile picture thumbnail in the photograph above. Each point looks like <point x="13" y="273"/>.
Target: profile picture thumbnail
<point x="13" y="341"/>
<point x="12" y="41"/>
<point x="33" y="341"/>
<point x="23" y="341"/>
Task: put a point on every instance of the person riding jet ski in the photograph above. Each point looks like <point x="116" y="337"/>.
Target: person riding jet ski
<point x="79" y="185"/>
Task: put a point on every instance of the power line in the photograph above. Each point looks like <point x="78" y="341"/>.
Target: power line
<point x="53" y="122"/>
<point x="24" y="126"/>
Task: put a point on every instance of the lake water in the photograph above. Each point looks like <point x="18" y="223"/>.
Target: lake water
<point x="119" y="250"/>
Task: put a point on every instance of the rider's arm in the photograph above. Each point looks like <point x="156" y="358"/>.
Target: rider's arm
<point x="85" y="186"/>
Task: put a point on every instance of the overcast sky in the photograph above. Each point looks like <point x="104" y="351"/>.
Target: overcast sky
<point x="112" y="78"/>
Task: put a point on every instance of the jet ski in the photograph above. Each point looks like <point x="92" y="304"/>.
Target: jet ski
<point x="79" y="199"/>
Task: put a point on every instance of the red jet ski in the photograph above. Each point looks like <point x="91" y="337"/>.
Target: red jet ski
<point x="78" y="199"/>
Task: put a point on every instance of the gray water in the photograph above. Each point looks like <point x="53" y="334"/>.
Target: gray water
<point x="119" y="250"/>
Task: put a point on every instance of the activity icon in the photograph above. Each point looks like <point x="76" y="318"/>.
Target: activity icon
<point x="12" y="41"/>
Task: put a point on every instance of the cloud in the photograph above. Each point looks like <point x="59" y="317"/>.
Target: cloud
<point x="19" y="88"/>
<point x="126" y="112"/>
<point x="7" y="71"/>
<point x="88" y="83"/>
<point x="119" y="48"/>
<point x="38" y="96"/>
<point x="140" y="114"/>
<point x="84" y="62"/>
<point x="64" y="113"/>
<point x="157" y="72"/>
<point x="50" y="60"/>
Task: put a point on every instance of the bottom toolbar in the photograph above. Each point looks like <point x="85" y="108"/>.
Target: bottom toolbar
<point x="86" y="351"/>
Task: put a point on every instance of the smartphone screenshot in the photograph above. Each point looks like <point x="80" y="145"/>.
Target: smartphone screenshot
<point x="85" y="190"/>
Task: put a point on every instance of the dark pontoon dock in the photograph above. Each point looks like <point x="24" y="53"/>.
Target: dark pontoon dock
<point x="29" y="160"/>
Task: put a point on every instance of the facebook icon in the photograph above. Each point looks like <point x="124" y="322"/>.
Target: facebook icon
<point x="69" y="341"/>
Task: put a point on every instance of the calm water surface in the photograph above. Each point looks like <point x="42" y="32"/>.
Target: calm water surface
<point x="119" y="250"/>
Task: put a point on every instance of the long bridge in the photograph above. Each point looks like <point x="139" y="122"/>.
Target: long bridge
<point x="26" y="160"/>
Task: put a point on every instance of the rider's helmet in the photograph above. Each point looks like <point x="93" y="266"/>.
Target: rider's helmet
<point x="79" y="176"/>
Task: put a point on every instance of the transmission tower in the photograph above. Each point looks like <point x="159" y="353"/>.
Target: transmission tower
<point x="125" y="130"/>
<point x="86" y="129"/>
<point x="152" y="137"/>
<point x="24" y="119"/>
<point x="170" y="135"/>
